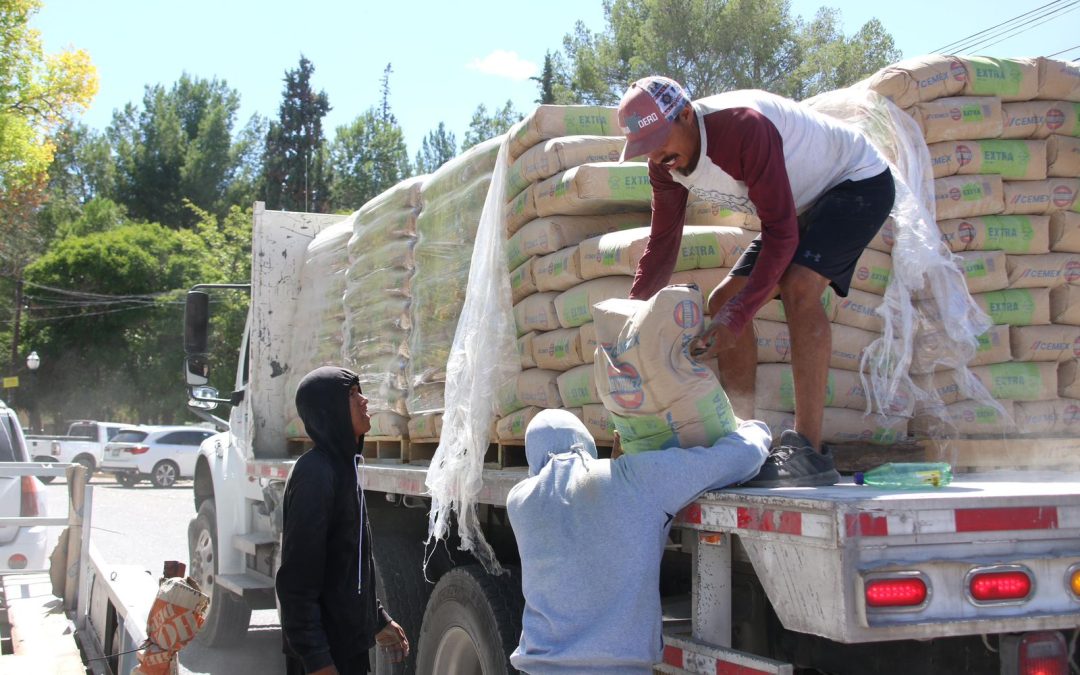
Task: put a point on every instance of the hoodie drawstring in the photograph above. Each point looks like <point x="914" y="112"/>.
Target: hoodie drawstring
<point x="358" y="466"/>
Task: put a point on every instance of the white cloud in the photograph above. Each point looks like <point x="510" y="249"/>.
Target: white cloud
<point x="504" y="64"/>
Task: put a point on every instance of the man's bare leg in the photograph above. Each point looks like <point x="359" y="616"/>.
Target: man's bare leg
<point x="811" y="347"/>
<point x="737" y="362"/>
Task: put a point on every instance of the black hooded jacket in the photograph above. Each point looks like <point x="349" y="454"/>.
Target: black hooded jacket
<point x="326" y="586"/>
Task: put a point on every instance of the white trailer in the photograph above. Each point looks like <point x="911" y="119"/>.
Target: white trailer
<point x="980" y="576"/>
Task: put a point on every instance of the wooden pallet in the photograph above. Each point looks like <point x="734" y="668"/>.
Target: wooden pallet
<point x="511" y="454"/>
<point x="982" y="454"/>
<point x="855" y="456"/>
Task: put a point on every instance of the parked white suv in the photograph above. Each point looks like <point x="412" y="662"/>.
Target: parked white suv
<point x="20" y="497"/>
<point x="162" y="454"/>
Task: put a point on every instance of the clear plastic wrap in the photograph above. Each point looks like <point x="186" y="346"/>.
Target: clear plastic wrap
<point x="949" y="319"/>
<point x="483" y="358"/>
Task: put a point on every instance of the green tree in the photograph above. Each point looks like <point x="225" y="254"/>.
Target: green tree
<point x="483" y="126"/>
<point x="82" y="170"/>
<point x="828" y="60"/>
<point x="438" y="147"/>
<point x="294" y="174"/>
<point x="248" y="155"/>
<point x="546" y="81"/>
<point x="367" y="156"/>
<point x="177" y="146"/>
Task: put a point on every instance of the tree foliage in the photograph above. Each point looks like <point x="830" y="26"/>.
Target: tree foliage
<point x="483" y="126"/>
<point x="294" y="175"/>
<point x="438" y="147"/>
<point x="367" y="156"/>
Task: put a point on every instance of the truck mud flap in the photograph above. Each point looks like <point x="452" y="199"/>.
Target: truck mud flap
<point x="683" y="654"/>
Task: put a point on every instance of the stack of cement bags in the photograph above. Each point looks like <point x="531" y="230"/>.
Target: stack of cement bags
<point x="1004" y="139"/>
<point x="377" y="302"/>
<point x="453" y="198"/>
<point x="316" y="327"/>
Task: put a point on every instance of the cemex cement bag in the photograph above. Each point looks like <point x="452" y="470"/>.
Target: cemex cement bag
<point x="659" y="397"/>
<point x="176" y="616"/>
<point x="950" y="321"/>
<point x="483" y="358"/>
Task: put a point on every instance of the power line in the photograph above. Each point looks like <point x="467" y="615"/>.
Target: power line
<point x="1017" y="30"/>
<point x="1063" y="51"/>
<point x="975" y="38"/>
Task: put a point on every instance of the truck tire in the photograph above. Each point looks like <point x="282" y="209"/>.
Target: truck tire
<point x="472" y="623"/>
<point x="89" y="463"/>
<point x="399" y="564"/>
<point x="228" y="616"/>
<point x="164" y="474"/>
<point x="127" y="480"/>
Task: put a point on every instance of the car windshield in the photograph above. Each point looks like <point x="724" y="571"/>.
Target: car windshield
<point x="129" y="436"/>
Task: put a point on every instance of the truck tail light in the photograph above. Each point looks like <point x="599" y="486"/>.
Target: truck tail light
<point x="17" y="561"/>
<point x="999" y="585"/>
<point x="28" y="508"/>
<point x="906" y="591"/>
<point x="1043" y="654"/>
<point x="139" y="449"/>
<point x="54" y="448"/>
<point x="1073" y="580"/>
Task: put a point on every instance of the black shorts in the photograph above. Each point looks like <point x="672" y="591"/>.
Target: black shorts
<point x="835" y="230"/>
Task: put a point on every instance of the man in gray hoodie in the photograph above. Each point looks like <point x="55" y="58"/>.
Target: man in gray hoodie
<point x="591" y="533"/>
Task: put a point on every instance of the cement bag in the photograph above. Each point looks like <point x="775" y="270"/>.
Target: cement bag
<point x="1045" y="343"/>
<point x="525" y="349"/>
<point x="512" y="426"/>
<point x="522" y="282"/>
<point x="553" y="121"/>
<point x="506" y="398"/>
<point x="1064" y="227"/>
<point x="848" y="344"/>
<point x="872" y="272"/>
<point x="520" y="209"/>
<point x="775" y="390"/>
<point x="965" y="418"/>
<point x="1012" y="234"/>
<point x="1005" y="381"/>
<point x="1069" y="379"/>
<point x="985" y="270"/>
<point x="598" y="421"/>
<point x="1016" y="306"/>
<point x="658" y="396"/>
<point x="536" y="312"/>
<point x="462" y="171"/>
<point x="605" y="187"/>
<point x="859" y="309"/>
<point x="539" y="387"/>
<point x="968" y="196"/>
<point x="959" y="118"/>
<point x="425" y="427"/>
<point x="1064" y="306"/>
<point x="1040" y="119"/>
<point x="1043" y="271"/>
<point x="1062" y="156"/>
<point x="1059" y="80"/>
<point x="701" y="247"/>
<point x="589" y="343"/>
<point x="427" y="397"/>
<point x="1009" y="79"/>
<point x="558" y="349"/>
<point x="840" y="425"/>
<point x="701" y="211"/>
<point x="388" y="425"/>
<point x="402" y="196"/>
<point x="577" y="386"/>
<point x="544" y="160"/>
<point x="705" y="279"/>
<point x="885" y="238"/>
<point x="575" y="306"/>
<point x="547" y="235"/>
<point x="993" y="347"/>
<point x="1043" y="418"/>
<point x="1012" y="159"/>
<point x="914" y="80"/>
<point x="1041" y="196"/>
<point x="773" y="310"/>
<point x="557" y="271"/>
<point x="381" y="229"/>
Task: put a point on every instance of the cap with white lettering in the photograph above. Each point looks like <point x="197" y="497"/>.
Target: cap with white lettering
<point x="647" y="112"/>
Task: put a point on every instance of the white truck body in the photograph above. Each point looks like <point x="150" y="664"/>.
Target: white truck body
<point x="84" y="443"/>
<point x="802" y="555"/>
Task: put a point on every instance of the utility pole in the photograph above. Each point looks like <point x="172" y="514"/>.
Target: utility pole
<point x="15" y="327"/>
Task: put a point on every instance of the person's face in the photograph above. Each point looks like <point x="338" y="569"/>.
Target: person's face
<point x="680" y="151"/>
<point x="361" y="422"/>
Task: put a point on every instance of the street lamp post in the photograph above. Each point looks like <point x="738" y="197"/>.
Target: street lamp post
<point x="33" y="362"/>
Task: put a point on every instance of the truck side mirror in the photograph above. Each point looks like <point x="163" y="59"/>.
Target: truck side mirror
<point x="197" y="370"/>
<point x="204" y="398"/>
<point x="196" y="323"/>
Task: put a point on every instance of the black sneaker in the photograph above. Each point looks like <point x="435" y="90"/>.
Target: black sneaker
<point x="795" y="463"/>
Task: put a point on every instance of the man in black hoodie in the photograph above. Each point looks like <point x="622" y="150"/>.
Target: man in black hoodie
<point x="330" y="616"/>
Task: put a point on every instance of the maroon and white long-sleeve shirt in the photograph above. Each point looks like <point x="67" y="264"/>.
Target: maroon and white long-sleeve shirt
<point x="761" y="154"/>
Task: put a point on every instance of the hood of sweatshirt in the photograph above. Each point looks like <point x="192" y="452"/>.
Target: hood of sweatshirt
<point x="553" y="432"/>
<point x="322" y="401"/>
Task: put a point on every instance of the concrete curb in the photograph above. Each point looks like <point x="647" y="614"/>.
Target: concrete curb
<point x="42" y="635"/>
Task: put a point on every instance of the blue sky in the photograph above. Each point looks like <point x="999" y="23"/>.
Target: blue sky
<point x="447" y="57"/>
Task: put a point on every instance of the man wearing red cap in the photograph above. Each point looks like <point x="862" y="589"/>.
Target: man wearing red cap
<point x="821" y="191"/>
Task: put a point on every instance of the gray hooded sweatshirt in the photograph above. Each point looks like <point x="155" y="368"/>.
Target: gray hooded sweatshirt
<point x="591" y="533"/>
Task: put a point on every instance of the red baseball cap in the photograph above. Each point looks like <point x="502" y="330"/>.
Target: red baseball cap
<point x="647" y="112"/>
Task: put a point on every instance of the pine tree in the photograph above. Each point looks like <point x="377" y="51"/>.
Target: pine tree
<point x="437" y="147"/>
<point x="546" y="81"/>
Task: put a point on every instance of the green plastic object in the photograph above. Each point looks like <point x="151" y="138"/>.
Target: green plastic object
<point x="907" y="475"/>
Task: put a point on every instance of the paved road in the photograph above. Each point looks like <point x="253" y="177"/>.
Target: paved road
<point x="147" y="526"/>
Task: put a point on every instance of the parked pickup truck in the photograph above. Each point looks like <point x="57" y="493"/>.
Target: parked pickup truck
<point x="84" y="443"/>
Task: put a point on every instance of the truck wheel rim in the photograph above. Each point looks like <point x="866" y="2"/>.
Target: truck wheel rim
<point x="204" y="562"/>
<point x="457" y="654"/>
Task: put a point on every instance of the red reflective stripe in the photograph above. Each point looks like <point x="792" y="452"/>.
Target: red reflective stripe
<point x="1018" y="518"/>
<point x="673" y="656"/>
<point x="725" y="668"/>
<point x="866" y="525"/>
<point x="767" y="520"/>
<point x="691" y="514"/>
